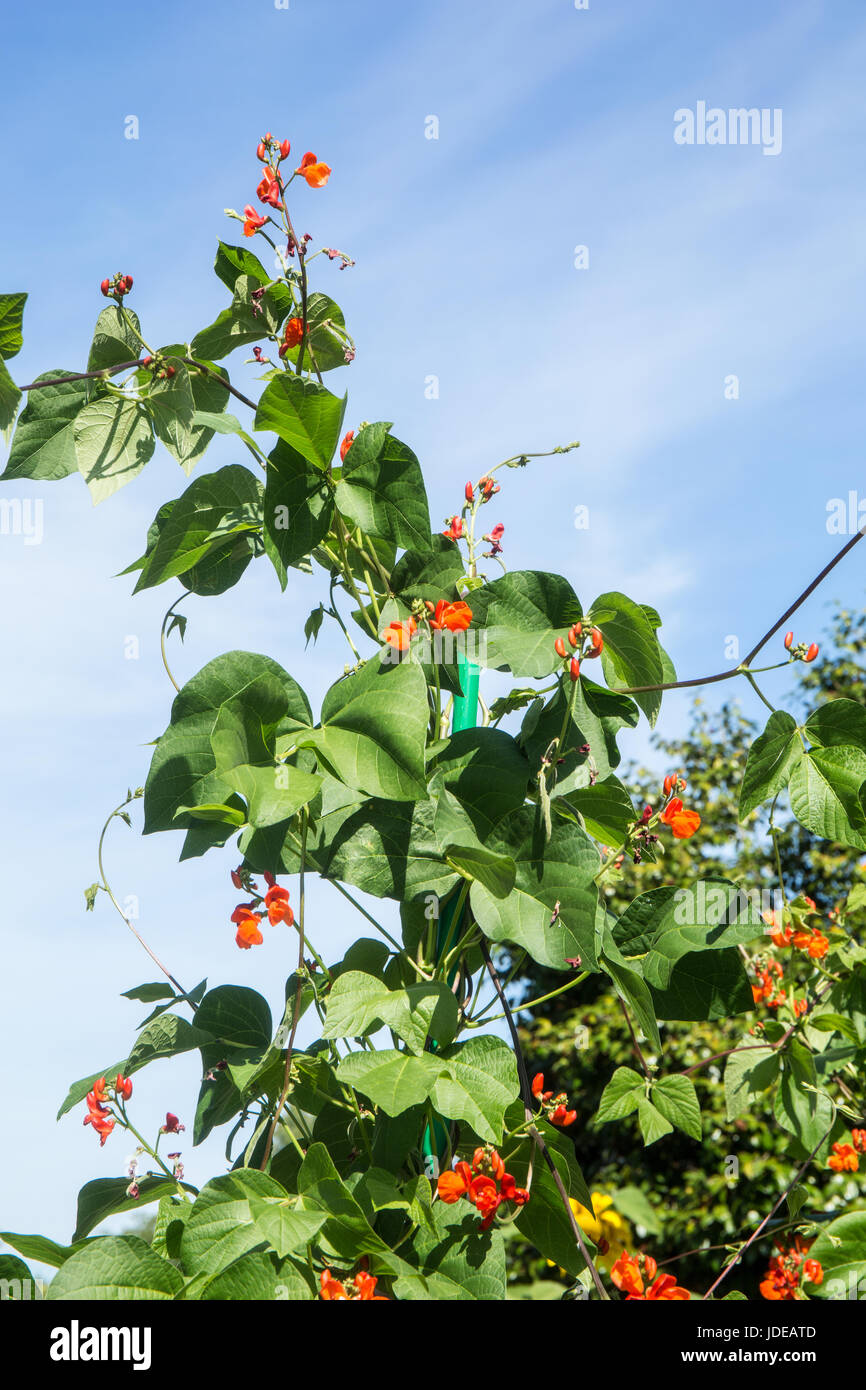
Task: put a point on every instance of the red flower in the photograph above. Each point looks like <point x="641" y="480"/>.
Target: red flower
<point x="813" y="942"/>
<point x="97" y="1114"/>
<point x="562" y="1118"/>
<point x="812" y="1272"/>
<point x="123" y="1086"/>
<point x="455" y="1183"/>
<point x="252" y="220"/>
<point x="311" y="169"/>
<point x="486" y="1184"/>
<point x="277" y="904"/>
<point x="269" y="189"/>
<point x="597" y="642"/>
<point x="348" y="441"/>
<point x="285" y="149"/>
<point x="236" y="877"/>
<point x="455" y="530"/>
<point x="812" y="652"/>
<point x="788" y="1271"/>
<point x="456" y="617"/>
<point x="172" y="1124"/>
<point x="666" y="1289"/>
<point x="626" y="1274"/>
<point x="399" y="635"/>
<point x="365" y="1288"/>
<point x="538" y="1087"/>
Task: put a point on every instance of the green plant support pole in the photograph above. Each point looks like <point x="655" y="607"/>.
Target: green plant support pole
<point x="465" y="717"/>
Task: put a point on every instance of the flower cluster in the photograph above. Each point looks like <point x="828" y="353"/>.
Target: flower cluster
<point x="484" y="1182"/>
<point x="591" y="644"/>
<point x="682" y="823"/>
<point x="248" y="919"/>
<point x="116" y="287"/>
<point x="272" y="185"/>
<point x="635" y="1276"/>
<point x="789" y="1270"/>
<point x="801" y="652"/>
<point x="362" y="1290"/>
<point x="441" y="617"/>
<point x="98" y="1100"/>
<point x="555" y="1107"/>
<point x="844" y="1158"/>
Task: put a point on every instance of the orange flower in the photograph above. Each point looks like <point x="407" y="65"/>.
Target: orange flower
<point x="538" y="1087"/>
<point x="666" y="1290"/>
<point x="626" y="1274"/>
<point x="277" y="903"/>
<point x="269" y="189"/>
<point x="683" y="823"/>
<point x="365" y="1285"/>
<point x="456" y="617"/>
<point x="562" y="1118"/>
<point x="247" y="923"/>
<point x="399" y="635"/>
<point x="311" y="169"/>
<point x="348" y="441"/>
<point x="812" y="1272"/>
<point x="800" y="1007"/>
<point x="788" y="1270"/>
<point x="252" y="221"/>
<point x="292" y="335"/>
<point x="455" y="1183"/>
<point x="329" y="1287"/>
<point x="843" y="1159"/>
<point x="487" y="1160"/>
<point x="123" y="1086"/>
<point x="454" y="530"/>
<point x="813" y="942"/>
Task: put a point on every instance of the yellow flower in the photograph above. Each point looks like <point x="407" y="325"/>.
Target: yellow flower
<point x="607" y="1224"/>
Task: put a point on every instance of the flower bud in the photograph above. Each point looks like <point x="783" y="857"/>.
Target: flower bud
<point x="285" y="149"/>
<point x="560" y="647"/>
<point x="105" y="287"/>
<point x="261" y="152"/>
<point x="470" y="493"/>
<point x="574" y="669"/>
<point x="597" y="642"/>
<point x="789" y="638"/>
<point x="127" y="280"/>
<point x="812" y="652"/>
<point x="574" y="633"/>
<point x="146" y="361"/>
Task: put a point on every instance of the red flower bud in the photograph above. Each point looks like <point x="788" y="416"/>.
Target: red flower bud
<point x="574" y="633"/>
<point x="170" y="371"/>
<point x="261" y="152"/>
<point x="668" y="785"/>
<point x="146" y="361"/>
<point x="470" y="493"/>
<point x="127" y="280"/>
<point x="348" y="441"/>
<point x="789" y="637"/>
<point x="123" y="1086"/>
<point x="560" y="647"/>
<point x="105" y="287"/>
<point x="285" y="149"/>
<point x="597" y="642"/>
<point x="812" y="652"/>
<point x="574" y="669"/>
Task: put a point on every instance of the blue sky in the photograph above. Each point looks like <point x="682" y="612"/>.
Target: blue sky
<point x="555" y="131"/>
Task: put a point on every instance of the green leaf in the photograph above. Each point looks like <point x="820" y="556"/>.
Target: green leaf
<point x="212" y="509"/>
<point x="245" y="321"/>
<point x="167" y="1036"/>
<point x="605" y="808"/>
<point x="495" y="873"/>
<point x="805" y="1112"/>
<point x="115" y="1268"/>
<point x="298" y="508"/>
<point x="705" y="986"/>
<point x="237" y="1016"/>
<point x="40" y="1248"/>
<point x="826" y="791"/>
<point x="631" y="654"/>
<point x="488" y="774"/>
<point x="183" y="769"/>
<point x="709" y="915"/>
<point x="386" y="848"/>
<point x="545" y="1222"/>
<point x="104" y="1197"/>
<point x="250" y="1278"/>
<point x="676" y="1098"/>
<point x="113" y="339"/>
<point x="171" y="405"/>
<point x="382" y="489"/>
<point x="307" y="416"/>
<point x="373" y="730"/>
<point x="621" y="1095"/>
<point x="653" y="1124"/>
<point x="286" y="1229"/>
<point x="113" y="442"/>
<point x="597" y="716"/>
<point x="772" y="758"/>
<point x="631" y="988"/>
<point x="455" y="1260"/>
<point x="841" y="1251"/>
<point x="839" y="722"/>
<point x="10" y="397"/>
<point x="551" y="911"/>
<point x="473" y="1081"/>
<point x="522" y="615"/>
<point x="221" y="1227"/>
<point x="430" y="573"/>
<point x="748" y="1073"/>
<point x="43" y="445"/>
<point x="359" y="1002"/>
<point x="328" y="348"/>
<point x="11" y="320"/>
